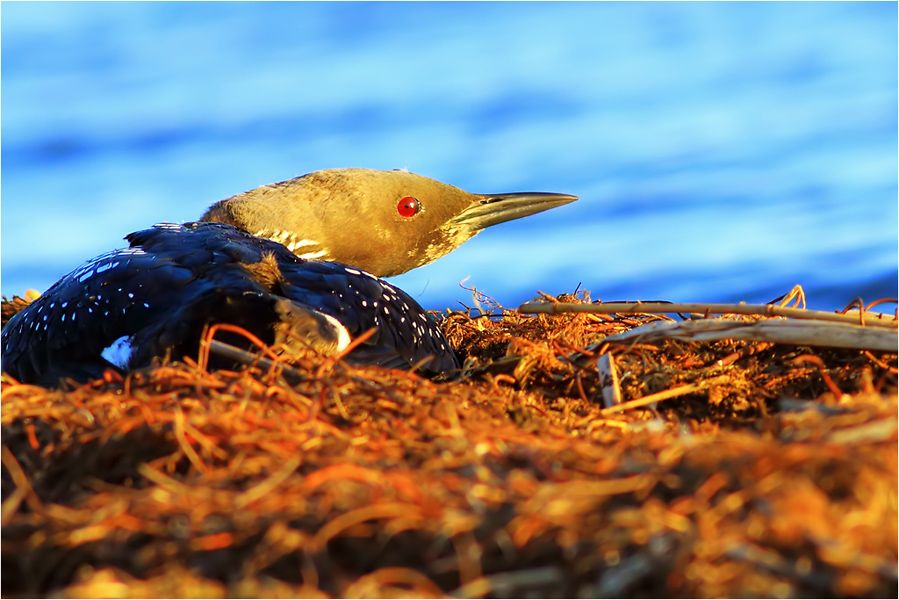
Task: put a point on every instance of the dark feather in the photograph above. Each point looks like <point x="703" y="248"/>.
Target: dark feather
<point x="176" y="279"/>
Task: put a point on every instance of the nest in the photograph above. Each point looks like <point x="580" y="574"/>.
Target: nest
<point x="774" y="476"/>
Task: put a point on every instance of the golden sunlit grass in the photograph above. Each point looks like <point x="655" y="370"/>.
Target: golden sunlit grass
<point x="749" y="469"/>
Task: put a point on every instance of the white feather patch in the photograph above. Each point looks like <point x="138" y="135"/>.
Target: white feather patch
<point x="119" y="352"/>
<point x="296" y="244"/>
<point x="343" y="336"/>
<point x="312" y="255"/>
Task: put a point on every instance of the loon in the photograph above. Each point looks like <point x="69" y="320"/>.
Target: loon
<point x="297" y="263"/>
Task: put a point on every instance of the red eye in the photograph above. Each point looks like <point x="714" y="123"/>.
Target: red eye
<point x="408" y="207"/>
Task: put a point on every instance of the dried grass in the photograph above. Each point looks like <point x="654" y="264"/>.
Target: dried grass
<point x="775" y="476"/>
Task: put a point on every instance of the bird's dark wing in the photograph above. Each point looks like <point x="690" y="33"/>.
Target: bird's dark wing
<point x="404" y="333"/>
<point x="129" y="305"/>
<point x="156" y="290"/>
<point x="68" y="327"/>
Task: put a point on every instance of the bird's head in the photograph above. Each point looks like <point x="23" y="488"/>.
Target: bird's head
<point x="385" y="222"/>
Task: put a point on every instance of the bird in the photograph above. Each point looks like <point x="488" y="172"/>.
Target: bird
<point x="298" y="263"/>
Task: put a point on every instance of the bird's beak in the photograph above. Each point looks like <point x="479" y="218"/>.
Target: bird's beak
<point x="490" y="209"/>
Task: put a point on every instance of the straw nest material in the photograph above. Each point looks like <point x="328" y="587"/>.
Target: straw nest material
<point x="773" y="474"/>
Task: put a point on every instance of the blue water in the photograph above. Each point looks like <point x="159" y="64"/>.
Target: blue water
<point x="721" y="151"/>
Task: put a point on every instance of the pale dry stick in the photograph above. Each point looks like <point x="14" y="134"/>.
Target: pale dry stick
<point x="782" y="331"/>
<point x="871" y="320"/>
<point x="675" y="392"/>
<point x="608" y="377"/>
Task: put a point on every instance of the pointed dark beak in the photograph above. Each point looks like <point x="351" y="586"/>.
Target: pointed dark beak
<point x="490" y="209"/>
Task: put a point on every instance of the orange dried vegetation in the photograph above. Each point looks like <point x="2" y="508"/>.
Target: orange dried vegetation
<point x="509" y="481"/>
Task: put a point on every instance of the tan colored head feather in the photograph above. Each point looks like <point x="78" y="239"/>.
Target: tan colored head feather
<point x="353" y="216"/>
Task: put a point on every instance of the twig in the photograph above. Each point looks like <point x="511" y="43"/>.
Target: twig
<point x="209" y="334"/>
<point x="822" y="369"/>
<point x="608" y="378"/>
<point x="870" y="319"/>
<point x="681" y="390"/>
<point x="248" y="358"/>
<point x="782" y="331"/>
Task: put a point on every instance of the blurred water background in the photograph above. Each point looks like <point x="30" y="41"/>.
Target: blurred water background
<point x="722" y="152"/>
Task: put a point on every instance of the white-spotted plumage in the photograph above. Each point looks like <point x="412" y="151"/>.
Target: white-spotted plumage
<point x="157" y="296"/>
